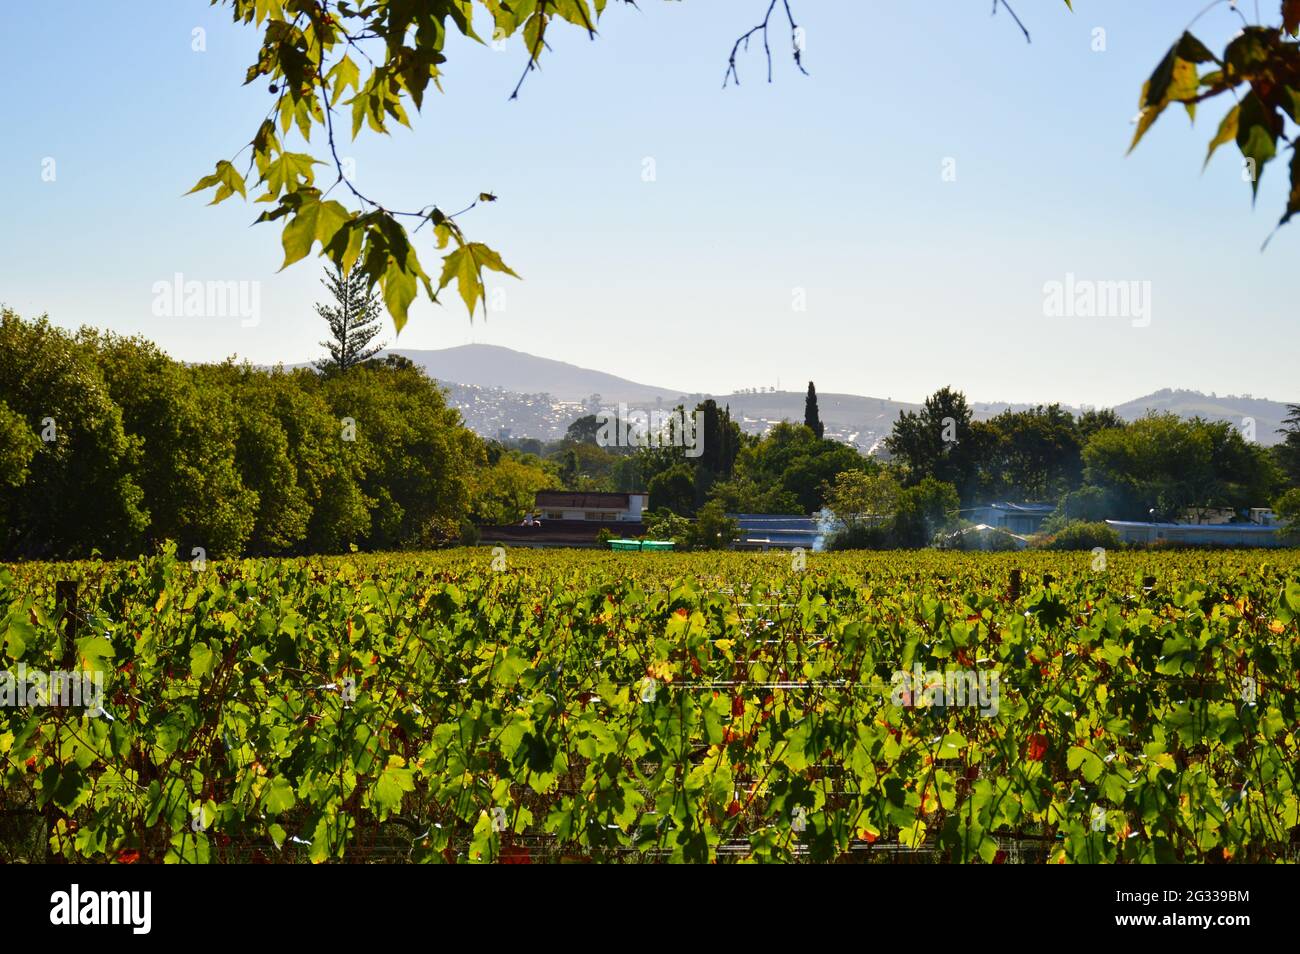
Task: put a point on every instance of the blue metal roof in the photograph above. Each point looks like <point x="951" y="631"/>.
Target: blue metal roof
<point x="781" y="530"/>
<point x="1212" y="527"/>
<point x="1031" y="508"/>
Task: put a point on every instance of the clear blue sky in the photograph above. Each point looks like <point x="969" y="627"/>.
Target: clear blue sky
<point x="829" y="183"/>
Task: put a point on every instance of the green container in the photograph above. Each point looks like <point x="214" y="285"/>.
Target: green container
<point x="640" y="544"/>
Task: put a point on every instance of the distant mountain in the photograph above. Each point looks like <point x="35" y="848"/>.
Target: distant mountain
<point x="502" y="385"/>
<point x="492" y="366"/>
<point x="862" y="420"/>
<point x="1267" y="415"/>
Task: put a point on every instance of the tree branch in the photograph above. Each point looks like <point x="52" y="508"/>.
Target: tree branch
<point x="743" y="41"/>
<point x="1013" y="16"/>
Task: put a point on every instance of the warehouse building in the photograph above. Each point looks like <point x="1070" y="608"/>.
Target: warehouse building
<point x="1199" y="534"/>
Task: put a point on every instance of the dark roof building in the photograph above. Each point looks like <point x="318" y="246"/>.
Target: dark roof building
<point x="555" y="533"/>
<point x="570" y="505"/>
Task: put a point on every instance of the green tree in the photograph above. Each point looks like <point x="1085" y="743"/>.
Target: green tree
<point x="587" y="466"/>
<point x="1170" y="466"/>
<point x="712" y="529"/>
<point x="1094" y="420"/>
<point x="1080" y="535"/>
<point x="663" y="524"/>
<point x="811" y="418"/>
<point x="414" y="456"/>
<point x="808" y="475"/>
<point x="188" y="432"/>
<point x="138" y="448"/>
<point x="744" y="495"/>
<point x="584" y="430"/>
<point x="859" y="499"/>
<point x="1288" y="451"/>
<point x="1032" y="455"/>
<point x="1244" y="473"/>
<point x="924" y="510"/>
<point x="674" y="489"/>
<point x="1087" y="504"/>
<point x="569" y="469"/>
<point x="1288" y="510"/>
<point x="78" y="493"/>
<point x="504" y="492"/>
<point x="18" y="445"/>
<point x="289" y="453"/>
<point x="353" y="320"/>
<point x="720" y="439"/>
<point x="940" y="441"/>
<point x="717" y="442"/>
<point x="787" y="471"/>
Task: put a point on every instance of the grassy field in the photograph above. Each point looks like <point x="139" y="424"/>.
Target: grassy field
<point x="459" y="706"/>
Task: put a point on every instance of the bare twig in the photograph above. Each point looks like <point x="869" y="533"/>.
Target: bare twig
<point x="536" y="51"/>
<point x="1013" y="16"/>
<point x="743" y="41"/>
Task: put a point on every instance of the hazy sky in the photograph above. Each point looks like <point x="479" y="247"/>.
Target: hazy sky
<point x="827" y="190"/>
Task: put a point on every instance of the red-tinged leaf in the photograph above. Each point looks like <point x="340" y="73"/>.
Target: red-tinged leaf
<point x="1248" y="55"/>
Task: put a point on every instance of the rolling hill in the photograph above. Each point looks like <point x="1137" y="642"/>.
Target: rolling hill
<point x="492" y="366"/>
<point x="855" y="418"/>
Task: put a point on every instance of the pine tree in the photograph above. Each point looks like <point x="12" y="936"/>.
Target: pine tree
<point x="353" y="320"/>
<point x="812" y="420"/>
<point x="569" y="471"/>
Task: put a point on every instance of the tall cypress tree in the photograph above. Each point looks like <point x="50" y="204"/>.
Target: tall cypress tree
<point x="353" y="320"/>
<point x="811" y="418"/>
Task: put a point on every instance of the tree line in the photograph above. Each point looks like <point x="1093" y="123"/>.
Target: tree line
<point x="939" y="463"/>
<point x="1094" y="465"/>
<point x="109" y="445"/>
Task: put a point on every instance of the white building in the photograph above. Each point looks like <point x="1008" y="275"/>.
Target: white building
<point x="617" y="508"/>
<point x="1017" y="518"/>
<point x="1201" y="534"/>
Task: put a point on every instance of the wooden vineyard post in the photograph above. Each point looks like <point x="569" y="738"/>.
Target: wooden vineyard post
<point x="1015" y="584"/>
<point x="65" y="599"/>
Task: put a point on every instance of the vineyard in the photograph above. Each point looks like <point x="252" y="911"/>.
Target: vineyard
<point x="582" y="706"/>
